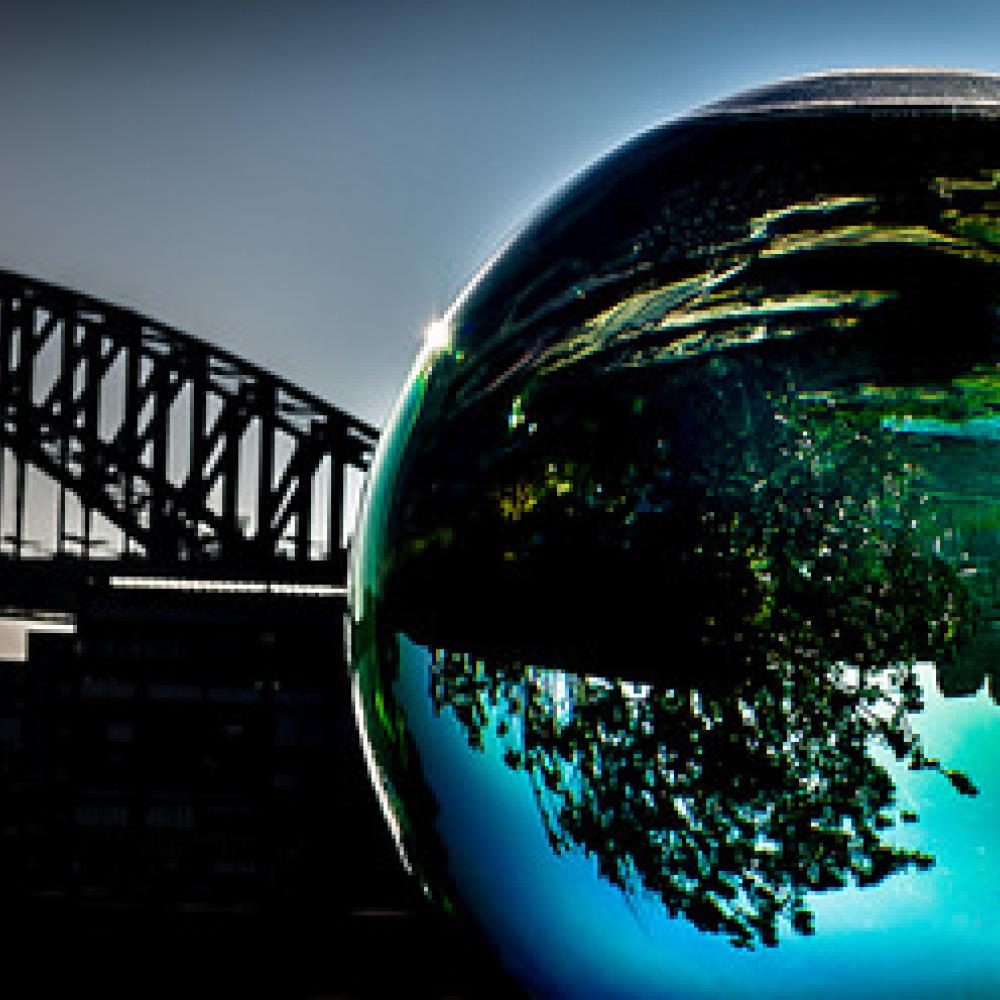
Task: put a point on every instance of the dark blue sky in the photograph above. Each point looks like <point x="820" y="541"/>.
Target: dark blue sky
<point x="308" y="184"/>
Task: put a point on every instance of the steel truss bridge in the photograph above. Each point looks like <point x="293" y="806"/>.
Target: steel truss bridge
<point x="126" y="443"/>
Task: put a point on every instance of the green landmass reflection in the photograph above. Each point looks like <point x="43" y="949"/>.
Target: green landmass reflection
<point x="747" y="781"/>
<point x="683" y="527"/>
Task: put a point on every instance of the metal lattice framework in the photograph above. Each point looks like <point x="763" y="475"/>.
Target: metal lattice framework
<point x="124" y="438"/>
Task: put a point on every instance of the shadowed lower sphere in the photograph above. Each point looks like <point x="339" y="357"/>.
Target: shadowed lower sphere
<point x="675" y="601"/>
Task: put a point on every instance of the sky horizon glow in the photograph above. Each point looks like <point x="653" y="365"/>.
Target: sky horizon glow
<point x="310" y="188"/>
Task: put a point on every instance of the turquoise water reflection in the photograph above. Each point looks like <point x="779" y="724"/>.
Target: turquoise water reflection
<point x="719" y="427"/>
<point x="569" y="932"/>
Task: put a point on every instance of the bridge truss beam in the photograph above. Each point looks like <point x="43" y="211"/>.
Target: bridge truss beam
<point x="121" y="437"/>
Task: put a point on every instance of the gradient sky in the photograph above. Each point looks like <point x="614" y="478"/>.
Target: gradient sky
<point x="308" y="184"/>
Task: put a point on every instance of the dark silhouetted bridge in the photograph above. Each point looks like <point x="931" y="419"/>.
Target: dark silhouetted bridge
<point x="130" y="445"/>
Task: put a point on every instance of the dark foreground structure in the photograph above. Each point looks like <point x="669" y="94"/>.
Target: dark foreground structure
<point x="185" y="803"/>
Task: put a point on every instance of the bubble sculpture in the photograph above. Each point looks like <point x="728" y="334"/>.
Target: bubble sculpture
<point x="675" y="598"/>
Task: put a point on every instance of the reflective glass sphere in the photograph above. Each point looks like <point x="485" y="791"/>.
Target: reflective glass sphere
<point x="676" y="591"/>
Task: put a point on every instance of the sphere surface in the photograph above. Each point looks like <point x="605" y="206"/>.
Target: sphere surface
<point x="676" y="594"/>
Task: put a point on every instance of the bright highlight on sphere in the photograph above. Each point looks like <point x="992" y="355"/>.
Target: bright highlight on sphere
<point x="676" y="591"/>
<point x="437" y="335"/>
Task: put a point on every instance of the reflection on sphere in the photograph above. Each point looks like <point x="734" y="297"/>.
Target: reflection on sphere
<point x="676" y="624"/>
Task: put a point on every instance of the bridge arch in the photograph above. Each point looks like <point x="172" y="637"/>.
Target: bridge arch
<point x="124" y="439"/>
